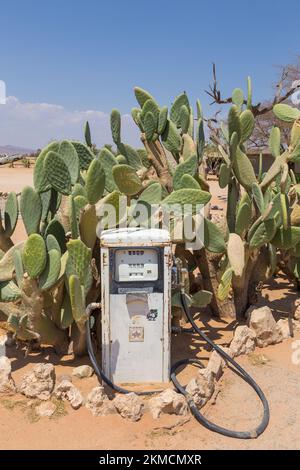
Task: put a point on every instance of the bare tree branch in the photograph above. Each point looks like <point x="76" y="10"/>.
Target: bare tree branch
<point x="257" y="109"/>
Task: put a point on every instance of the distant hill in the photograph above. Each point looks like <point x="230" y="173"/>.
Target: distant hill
<point x="13" y="150"/>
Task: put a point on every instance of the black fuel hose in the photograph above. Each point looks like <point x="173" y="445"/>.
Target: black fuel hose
<point x="237" y="369"/>
<point x="181" y="389"/>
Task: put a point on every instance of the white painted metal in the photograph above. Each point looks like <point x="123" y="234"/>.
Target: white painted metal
<point x="134" y="236"/>
<point x="136" y="320"/>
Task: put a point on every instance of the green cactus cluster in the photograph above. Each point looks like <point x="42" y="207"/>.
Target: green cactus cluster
<point x="55" y="272"/>
<point x="260" y="217"/>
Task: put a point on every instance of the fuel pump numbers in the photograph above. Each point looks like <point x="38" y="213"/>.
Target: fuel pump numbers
<point x="136" y="265"/>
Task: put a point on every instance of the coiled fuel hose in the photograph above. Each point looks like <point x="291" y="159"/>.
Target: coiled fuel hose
<point x="181" y="389"/>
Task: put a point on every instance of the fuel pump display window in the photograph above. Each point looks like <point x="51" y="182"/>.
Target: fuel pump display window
<point x="136" y="265"/>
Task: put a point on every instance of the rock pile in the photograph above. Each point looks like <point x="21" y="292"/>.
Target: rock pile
<point x="169" y="402"/>
<point x="41" y="382"/>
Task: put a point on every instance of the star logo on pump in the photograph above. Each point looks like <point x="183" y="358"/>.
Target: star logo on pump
<point x="136" y="334"/>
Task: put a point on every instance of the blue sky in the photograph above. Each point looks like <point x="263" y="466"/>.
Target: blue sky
<point x="86" y="56"/>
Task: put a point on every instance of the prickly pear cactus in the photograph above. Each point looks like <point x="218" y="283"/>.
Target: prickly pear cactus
<point x="54" y="273"/>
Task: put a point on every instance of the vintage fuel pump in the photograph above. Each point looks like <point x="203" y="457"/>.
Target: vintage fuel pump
<point x="137" y="273"/>
<point x="136" y="310"/>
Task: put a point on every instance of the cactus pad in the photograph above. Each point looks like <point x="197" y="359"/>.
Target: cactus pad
<point x="238" y="97"/>
<point x="234" y="121"/>
<point x="152" y="194"/>
<point x="274" y="141"/>
<point x="95" y="182"/>
<point x="34" y="255"/>
<point x="171" y="139"/>
<point x="142" y="96"/>
<point x="189" y="147"/>
<point x="58" y="174"/>
<point x="258" y="197"/>
<point x="127" y="180"/>
<point x="236" y="253"/>
<point x="52" y="243"/>
<point x="263" y="234"/>
<point x="40" y="180"/>
<point x="243" y="170"/>
<point x="85" y="155"/>
<point x="19" y="268"/>
<point x="115" y="125"/>
<point x="87" y="226"/>
<point x="188" y="166"/>
<point x="200" y="139"/>
<point x="286" y="239"/>
<point x="76" y="297"/>
<point x="150" y="106"/>
<point x="202" y="298"/>
<point x="188" y="196"/>
<point x="189" y="182"/>
<point x="247" y="123"/>
<point x="149" y="123"/>
<point x="162" y="119"/>
<point x="243" y="218"/>
<point x="7" y="262"/>
<point x="73" y="215"/>
<point x="286" y="113"/>
<point x="69" y="155"/>
<point x="56" y="229"/>
<point x="87" y="134"/>
<point x="79" y="257"/>
<point x="184" y="119"/>
<point x="224" y="175"/>
<point x="31" y="209"/>
<point x="213" y="238"/>
<point x="108" y="161"/>
<point x="10" y="214"/>
<point x="51" y="273"/>
<point x="181" y="100"/>
<point x="225" y="284"/>
<point x="132" y="156"/>
<point x="66" y="316"/>
<point x="9" y="291"/>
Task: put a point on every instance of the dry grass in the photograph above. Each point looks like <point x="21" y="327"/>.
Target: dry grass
<point x="28" y="407"/>
<point x="258" y="359"/>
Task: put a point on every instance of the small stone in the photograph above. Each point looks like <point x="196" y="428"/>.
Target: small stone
<point x="45" y="409"/>
<point x="39" y="383"/>
<point x="243" y="341"/>
<point x="297" y="309"/>
<point x="262" y="322"/>
<point x="98" y="402"/>
<point x="216" y="364"/>
<point x="62" y="377"/>
<point x="7" y="384"/>
<point x="129" y="406"/>
<point x="168" y="402"/>
<point x="82" y="372"/>
<point x="66" y="391"/>
<point x="285" y="327"/>
<point x="201" y="387"/>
